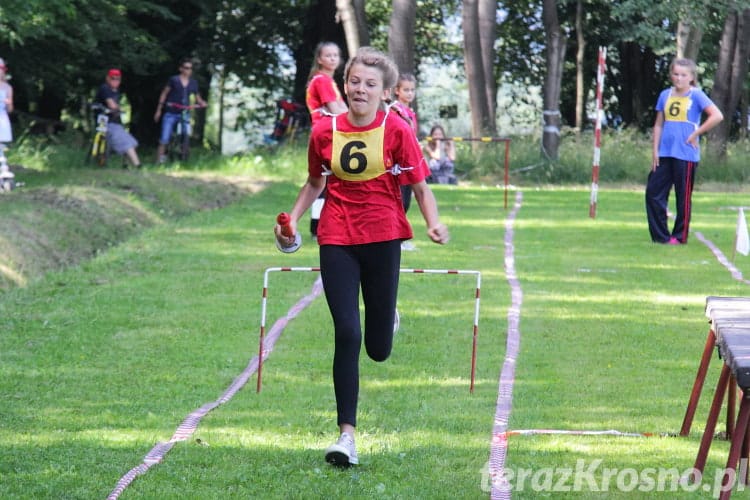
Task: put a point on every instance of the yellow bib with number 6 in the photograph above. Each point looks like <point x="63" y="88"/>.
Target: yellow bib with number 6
<point x="676" y="109"/>
<point x="357" y="156"/>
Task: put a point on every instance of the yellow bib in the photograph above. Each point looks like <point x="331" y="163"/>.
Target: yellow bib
<point x="676" y="108"/>
<point x="358" y="156"/>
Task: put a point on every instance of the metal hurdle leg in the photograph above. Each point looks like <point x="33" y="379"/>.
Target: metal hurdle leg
<point x="698" y="384"/>
<point x="713" y="416"/>
<point x="729" y="479"/>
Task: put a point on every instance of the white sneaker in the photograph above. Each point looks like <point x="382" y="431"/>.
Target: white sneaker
<point x="396" y="323"/>
<point x="342" y="452"/>
<point x="408" y="246"/>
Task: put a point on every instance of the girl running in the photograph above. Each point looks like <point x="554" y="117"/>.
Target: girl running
<point x="366" y="154"/>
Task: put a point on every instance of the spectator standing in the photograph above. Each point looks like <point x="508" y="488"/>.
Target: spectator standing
<point x="322" y="95"/>
<point x="323" y="98"/>
<point x="174" y="97"/>
<point x="676" y="151"/>
<point x="406" y="91"/>
<point x="6" y="105"/>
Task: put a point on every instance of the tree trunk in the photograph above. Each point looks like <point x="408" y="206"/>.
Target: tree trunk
<point x="639" y="91"/>
<point x="480" y="120"/>
<point x="345" y="15"/>
<point x="744" y="108"/>
<point x="580" y="55"/>
<point x="320" y="25"/>
<point x="487" y="21"/>
<point x="401" y="34"/>
<point x="220" y="135"/>
<point x="688" y="39"/>
<point x="555" y="56"/>
<point x="361" y="17"/>
<point x="731" y="72"/>
<point x="47" y="119"/>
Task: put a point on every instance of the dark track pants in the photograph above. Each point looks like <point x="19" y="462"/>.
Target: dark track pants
<point x="681" y="175"/>
<point x="344" y="269"/>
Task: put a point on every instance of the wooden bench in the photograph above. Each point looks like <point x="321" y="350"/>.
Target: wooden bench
<point x="731" y="310"/>
<point x="732" y="337"/>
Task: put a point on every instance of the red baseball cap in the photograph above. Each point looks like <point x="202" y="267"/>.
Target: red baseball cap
<point x="114" y="72"/>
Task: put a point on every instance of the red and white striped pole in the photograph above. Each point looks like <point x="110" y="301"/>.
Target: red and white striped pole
<point x="597" y="130"/>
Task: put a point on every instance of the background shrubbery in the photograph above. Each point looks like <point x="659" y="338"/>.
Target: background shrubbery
<point x="625" y="159"/>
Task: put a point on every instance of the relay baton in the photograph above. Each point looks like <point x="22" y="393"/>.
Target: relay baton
<point x="283" y="220"/>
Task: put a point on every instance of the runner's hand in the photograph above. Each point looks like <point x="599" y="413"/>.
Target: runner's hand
<point x="439" y="234"/>
<point x="285" y="241"/>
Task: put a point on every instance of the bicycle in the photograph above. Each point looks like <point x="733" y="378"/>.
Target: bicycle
<point x="179" y="143"/>
<point x="99" y="148"/>
<point x="291" y="117"/>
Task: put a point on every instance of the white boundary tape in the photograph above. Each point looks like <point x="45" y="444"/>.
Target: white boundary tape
<point x="190" y="424"/>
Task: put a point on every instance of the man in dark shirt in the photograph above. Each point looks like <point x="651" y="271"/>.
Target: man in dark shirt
<point x="173" y="100"/>
<point x="119" y="139"/>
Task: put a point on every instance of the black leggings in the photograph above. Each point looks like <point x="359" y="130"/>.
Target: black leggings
<point x="374" y="267"/>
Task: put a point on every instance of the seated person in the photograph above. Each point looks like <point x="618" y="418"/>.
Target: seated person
<point x="441" y="153"/>
<point x="118" y="138"/>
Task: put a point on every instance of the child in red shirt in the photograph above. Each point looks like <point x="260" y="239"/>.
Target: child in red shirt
<point x="405" y="91"/>
<point x="322" y="95"/>
<point x="366" y="155"/>
<point x="323" y="99"/>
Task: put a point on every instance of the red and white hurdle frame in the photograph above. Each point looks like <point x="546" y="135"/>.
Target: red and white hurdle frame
<point x="262" y="353"/>
<point x="597" y="131"/>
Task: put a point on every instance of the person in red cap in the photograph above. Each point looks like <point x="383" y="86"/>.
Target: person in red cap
<point x="6" y="105"/>
<point x="119" y="139"/>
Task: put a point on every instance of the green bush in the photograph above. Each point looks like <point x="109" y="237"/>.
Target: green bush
<point x="625" y="159"/>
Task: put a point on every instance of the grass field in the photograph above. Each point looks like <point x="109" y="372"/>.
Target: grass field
<point x="612" y="329"/>
<point x="102" y="361"/>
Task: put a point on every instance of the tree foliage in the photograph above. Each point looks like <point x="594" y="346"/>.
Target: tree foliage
<point x="58" y="50"/>
<point x="430" y="34"/>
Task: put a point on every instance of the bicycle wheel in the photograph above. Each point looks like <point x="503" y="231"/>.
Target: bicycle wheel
<point x="92" y="149"/>
<point x="98" y="150"/>
<point x="184" y="146"/>
<point x="101" y="150"/>
<point x="173" y="148"/>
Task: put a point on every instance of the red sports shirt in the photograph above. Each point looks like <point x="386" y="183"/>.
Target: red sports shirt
<point x="363" y="198"/>
<point x="408" y="113"/>
<point x="321" y="90"/>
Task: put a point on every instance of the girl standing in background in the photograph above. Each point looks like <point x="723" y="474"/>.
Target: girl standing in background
<point x="323" y="99"/>
<point x="676" y="151"/>
<point x="406" y="91"/>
